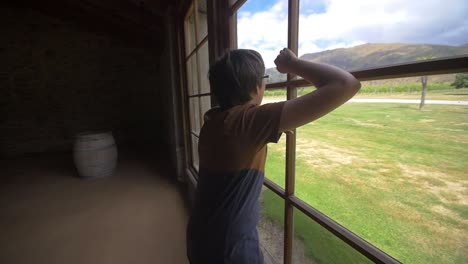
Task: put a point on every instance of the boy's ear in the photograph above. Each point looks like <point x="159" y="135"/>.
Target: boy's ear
<point x="258" y="90"/>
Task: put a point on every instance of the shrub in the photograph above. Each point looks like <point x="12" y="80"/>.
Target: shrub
<point x="461" y="80"/>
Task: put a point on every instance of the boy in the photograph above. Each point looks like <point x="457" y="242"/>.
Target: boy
<point x="232" y="148"/>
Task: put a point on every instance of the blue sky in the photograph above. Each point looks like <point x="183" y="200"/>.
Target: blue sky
<point x="258" y="5"/>
<point x="308" y="7"/>
<point x="329" y="24"/>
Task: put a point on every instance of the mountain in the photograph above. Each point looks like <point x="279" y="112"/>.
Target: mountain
<point x="375" y="55"/>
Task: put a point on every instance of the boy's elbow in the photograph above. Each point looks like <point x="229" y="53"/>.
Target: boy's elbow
<point x="357" y="85"/>
<point x="353" y="85"/>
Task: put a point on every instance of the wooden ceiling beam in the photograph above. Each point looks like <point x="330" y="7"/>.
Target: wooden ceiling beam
<point x="121" y="17"/>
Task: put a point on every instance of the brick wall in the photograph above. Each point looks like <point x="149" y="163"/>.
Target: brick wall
<point x="58" y="78"/>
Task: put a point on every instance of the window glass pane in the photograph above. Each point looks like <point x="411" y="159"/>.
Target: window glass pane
<point x="190" y="41"/>
<point x="271" y="226"/>
<point x="195" y="159"/>
<point x="314" y="244"/>
<point x="205" y="106"/>
<point x="195" y="114"/>
<point x="263" y="26"/>
<point x="364" y="34"/>
<point x="192" y="75"/>
<point x="276" y="159"/>
<point x="204" y="67"/>
<point x="202" y="27"/>
<point x="391" y="173"/>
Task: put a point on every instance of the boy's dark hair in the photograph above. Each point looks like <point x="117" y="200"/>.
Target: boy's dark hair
<point x="235" y="75"/>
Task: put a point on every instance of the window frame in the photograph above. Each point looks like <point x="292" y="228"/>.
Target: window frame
<point x="192" y="10"/>
<point x="428" y="67"/>
<point x="222" y="35"/>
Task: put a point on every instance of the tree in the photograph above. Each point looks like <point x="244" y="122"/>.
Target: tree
<point x="424" y="84"/>
<point x="423" y="92"/>
<point x="461" y="81"/>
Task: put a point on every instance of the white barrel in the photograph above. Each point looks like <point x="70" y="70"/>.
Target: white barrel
<point x="95" y="154"/>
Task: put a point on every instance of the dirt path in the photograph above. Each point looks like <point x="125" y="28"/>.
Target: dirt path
<point x="391" y="101"/>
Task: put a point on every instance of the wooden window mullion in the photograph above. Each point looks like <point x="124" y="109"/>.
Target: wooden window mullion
<point x="453" y="64"/>
<point x="235" y="5"/>
<point x="195" y="13"/>
<point x="187" y="57"/>
<point x="293" y="30"/>
<point x="199" y="95"/>
<point x="204" y="40"/>
<point x="197" y="47"/>
<point x="182" y="46"/>
<point x="233" y="33"/>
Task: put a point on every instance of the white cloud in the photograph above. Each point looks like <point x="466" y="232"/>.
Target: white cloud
<point x="344" y="23"/>
<point x="264" y="31"/>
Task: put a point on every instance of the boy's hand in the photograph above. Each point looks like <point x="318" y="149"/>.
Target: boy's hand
<point x="285" y="61"/>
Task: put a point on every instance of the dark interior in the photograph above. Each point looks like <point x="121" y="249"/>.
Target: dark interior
<point x="73" y="66"/>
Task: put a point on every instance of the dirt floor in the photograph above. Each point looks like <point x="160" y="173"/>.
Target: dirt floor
<point x="271" y="237"/>
<point x="49" y="215"/>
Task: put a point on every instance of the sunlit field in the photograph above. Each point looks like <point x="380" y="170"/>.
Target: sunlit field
<point x="408" y="92"/>
<point x="394" y="175"/>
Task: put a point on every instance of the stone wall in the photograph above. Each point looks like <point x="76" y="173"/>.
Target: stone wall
<point x="58" y="78"/>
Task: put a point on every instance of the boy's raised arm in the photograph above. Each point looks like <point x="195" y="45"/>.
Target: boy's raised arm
<point x="334" y="88"/>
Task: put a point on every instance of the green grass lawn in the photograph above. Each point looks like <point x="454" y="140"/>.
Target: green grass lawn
<point x="396" y="176"/>
<point x="385" y="89"/>
<point x="435" y="92"/>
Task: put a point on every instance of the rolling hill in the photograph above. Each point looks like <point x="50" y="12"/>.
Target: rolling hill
<point x="375" y="55"/>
